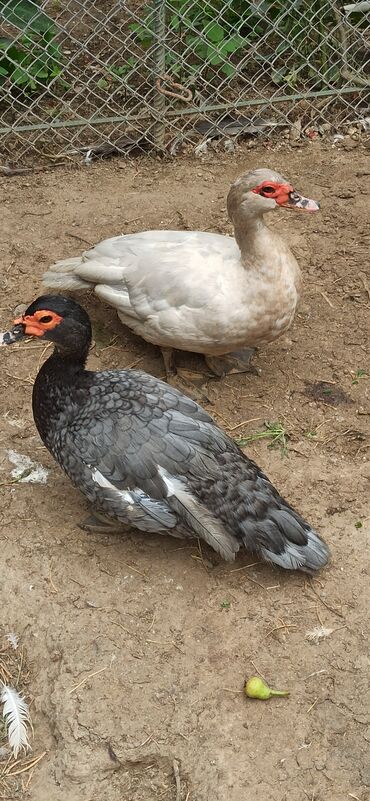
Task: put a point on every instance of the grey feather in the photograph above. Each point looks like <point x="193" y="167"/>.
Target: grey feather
<point x="200" y="519"/>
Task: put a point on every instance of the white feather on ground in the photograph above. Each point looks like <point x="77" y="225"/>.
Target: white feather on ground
<point x="13" y="639"/>
<point x="318" y="633"/>
<point x="17" y="718"/>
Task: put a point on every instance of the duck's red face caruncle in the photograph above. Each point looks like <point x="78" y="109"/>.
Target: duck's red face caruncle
<point x="31" y="325"/>
<point x="285" y="196"/>
<point x="37" y="324"/>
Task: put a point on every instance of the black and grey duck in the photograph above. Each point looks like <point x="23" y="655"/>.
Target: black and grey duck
<point x="147" y="456"/>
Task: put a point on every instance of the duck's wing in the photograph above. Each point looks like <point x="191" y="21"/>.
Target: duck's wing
<point x="142" y="273"/>
<point x="155" y="459"/>
<point x="132" y="460"/>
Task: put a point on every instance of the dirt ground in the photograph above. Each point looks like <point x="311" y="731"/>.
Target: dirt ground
<point x="159" y="640"/>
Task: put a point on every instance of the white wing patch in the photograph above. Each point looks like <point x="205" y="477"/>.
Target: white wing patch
<point x="199" y="519"/>
<point x="103" y="482"/>
<point x="136" y="507"/>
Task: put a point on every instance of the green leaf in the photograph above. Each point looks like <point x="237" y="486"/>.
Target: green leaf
<point x="232" y="45"/>
<point x="41" y="73"/>
<point x="187" y="22"/>
<point x="102" y="83"/>
<point x="200" y="48"/>
<point x="5" y="43"/>
<point x="226" y="49"/>
<point x="278" y="76"/>
<point x="216" y="33"/>
<point x="61" y="81"/>
<point x="24" y="14"/>
<point x="48" y="36"/>
<point x="175" y="22"/>
<point x="27" y="40"/>
<point x="193" y="68"/>
<point x="143" y="34"/>
<point x="20" y="76"/>
<point x="18" y="56"/>
<point x="4" y="72"/>
<point x="282" y="47"/>
<point x="122" y="70"/>
<point x="12" y="52"/>
<point x="228" y="69"/>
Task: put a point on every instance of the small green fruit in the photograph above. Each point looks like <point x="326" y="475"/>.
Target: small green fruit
<point x="257" y="688"/>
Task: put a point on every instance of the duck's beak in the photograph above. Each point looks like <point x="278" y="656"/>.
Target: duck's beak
<point x="293" y="200"/>
<point x="14" y="335"/>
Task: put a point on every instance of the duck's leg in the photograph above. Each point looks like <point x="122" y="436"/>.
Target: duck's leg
<point x="186" y="381"/>
<point x="168" y="355"/>
<point x="237" y="362"/>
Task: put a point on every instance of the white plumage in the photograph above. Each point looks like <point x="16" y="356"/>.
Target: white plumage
<point x="17" y="718"/>
<point x="193" y="290"/>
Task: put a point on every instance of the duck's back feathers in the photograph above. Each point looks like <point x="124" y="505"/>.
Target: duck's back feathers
<point x="143" y="256"/>
<point x="170" y="287"/>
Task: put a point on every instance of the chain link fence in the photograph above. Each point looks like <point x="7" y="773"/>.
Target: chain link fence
<point x="97" y="77"/>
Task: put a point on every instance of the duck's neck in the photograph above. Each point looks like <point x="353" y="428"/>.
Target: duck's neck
<point x="54" y="388"/>
<point x="254" y="238"/>
<point x="63" y="364"/>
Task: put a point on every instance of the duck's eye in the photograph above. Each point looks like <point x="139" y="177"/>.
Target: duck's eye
<point x="46" y="319"/>
<point x="268" y="190"/>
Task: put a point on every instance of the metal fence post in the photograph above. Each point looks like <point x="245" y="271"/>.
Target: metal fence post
<point x="159" y="68"/>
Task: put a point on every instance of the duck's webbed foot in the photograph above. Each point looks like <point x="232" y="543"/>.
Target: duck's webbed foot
<point x="99" y="524"/>
<point x="237" y="362"/>
<point x="187" y="381"/>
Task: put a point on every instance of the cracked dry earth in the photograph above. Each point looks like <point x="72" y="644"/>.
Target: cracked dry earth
<point x="136" y="648"/>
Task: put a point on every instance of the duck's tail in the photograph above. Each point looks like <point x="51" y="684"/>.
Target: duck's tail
<point x="309" y="557"/>
<point x="285" y="539"/>
<point x="62" y="275"/>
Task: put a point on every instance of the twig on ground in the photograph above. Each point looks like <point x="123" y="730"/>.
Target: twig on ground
<point x="255" y="582"/>
<point x="140" y="745"/>
<point x="327" y="300"/>
<point x="312" y="705"/>
<point x="244" y="423"/>
<point x="331" y="608"/>
<point x="83" y="681"/>
<point x="31" y="764"/>
<point x="79" y="238"/>
<point x="176" y="773"/>
<point x="278" y="628"/>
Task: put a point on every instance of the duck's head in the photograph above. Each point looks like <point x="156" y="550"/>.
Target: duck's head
<point x="259" y="191"/>
<point x="55" y="318"/>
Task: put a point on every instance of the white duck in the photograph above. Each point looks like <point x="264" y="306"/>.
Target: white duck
<point x="198" y="291"/>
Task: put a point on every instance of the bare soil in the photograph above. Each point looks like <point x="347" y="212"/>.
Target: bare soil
<point x="158" y="636"/>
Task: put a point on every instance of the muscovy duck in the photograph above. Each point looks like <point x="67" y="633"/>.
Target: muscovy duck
<point x="147" y="456"/>
<point x="197" y="291"/>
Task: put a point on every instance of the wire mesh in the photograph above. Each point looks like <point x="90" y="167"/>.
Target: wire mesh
<point x="96" y="77"/>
